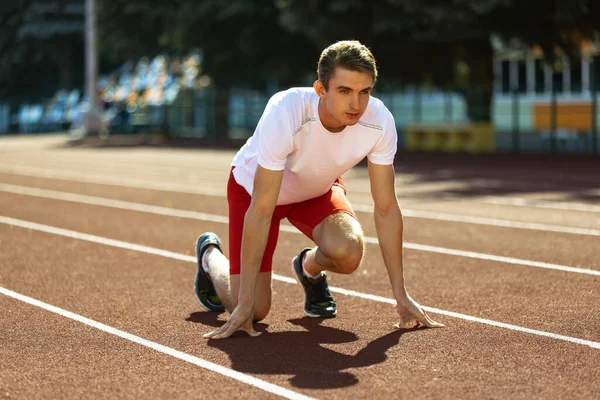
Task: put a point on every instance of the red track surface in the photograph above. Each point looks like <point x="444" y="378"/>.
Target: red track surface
<point x="356" y="355"/>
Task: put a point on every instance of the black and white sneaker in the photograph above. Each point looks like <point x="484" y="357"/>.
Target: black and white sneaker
<point x="318" y="302"/>
<point x="204" y="288"/>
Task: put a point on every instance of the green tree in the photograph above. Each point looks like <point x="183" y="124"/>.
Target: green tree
<point x="445" y="43"/>
<point x="129" y="30"/>
<point x="41" y="46"/>
<point x="414" y="41"/>
<point x="243" y="46"/>
<point x="241" y="41"/>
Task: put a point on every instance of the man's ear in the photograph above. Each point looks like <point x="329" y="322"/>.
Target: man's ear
<point x="319" y="88"/>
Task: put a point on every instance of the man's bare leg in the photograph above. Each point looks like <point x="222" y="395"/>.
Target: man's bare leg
<point x="262" y="298"/>
<point x="340" y="246"/>
<point x="227" y="287"/>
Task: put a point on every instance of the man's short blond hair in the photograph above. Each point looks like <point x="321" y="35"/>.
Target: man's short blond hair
<point x="348" y="54"/>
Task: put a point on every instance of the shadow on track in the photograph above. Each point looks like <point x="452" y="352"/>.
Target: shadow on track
<point x="301" y="353"/>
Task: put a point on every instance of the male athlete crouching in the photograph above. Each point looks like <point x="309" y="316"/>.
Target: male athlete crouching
<point x="306" y="139"/>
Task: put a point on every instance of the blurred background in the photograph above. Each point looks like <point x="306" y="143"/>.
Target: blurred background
<point x="458" y="75"/>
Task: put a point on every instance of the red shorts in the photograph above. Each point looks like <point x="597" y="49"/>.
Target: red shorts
<point x="305" y="216"/>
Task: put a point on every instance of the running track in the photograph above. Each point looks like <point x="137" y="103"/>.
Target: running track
<point x="97" y="266"/>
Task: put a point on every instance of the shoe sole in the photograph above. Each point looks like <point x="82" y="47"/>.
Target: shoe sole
<point x="306" y="312"/>
<point x="198" y="298"/>
<point x="196" y="282"/>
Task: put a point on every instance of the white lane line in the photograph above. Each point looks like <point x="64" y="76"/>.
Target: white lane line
<point x="177" y="256"/>
<point x="105" y="202"/>
<point x="199" y="189"/>
<point x="592" y="344"/>
<point x="488" y="221"/>
<point x="219" y="369"/>
<point x="190" y="188"/>
<point x="550" y="204"/>
<point x="171" y="212"/>
<point x="101" y="201"/>
<point x="491" y="257"/>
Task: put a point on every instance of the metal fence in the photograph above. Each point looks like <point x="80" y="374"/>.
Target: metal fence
<point x="521" y="123"/>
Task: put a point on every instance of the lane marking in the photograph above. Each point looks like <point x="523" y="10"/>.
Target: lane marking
<point x="505" y="223"/>
<point x="550" y="204"/>
<point x="592" y="344"/>
<point x="200" y="188"/>
<point x="106" y="202"/>
<point x="182" y="257"/>
<point x="491" y="257"/>
<point x="109" y="180"/>
<point x="102" y="201"/>
<point x="219" y="369"/>
<point x="489" y="183"/>
<point x="171" y="212"/>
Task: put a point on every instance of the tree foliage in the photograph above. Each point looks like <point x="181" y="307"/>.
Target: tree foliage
<point x="129" y="30"/>
<point x="446" y="42"/>
<point x="277" y="42"/>
<point x="243" y="42"/>
<point x="41" y="41"/>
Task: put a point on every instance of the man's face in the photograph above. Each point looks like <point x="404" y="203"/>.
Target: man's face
<point x="346" y="100"/>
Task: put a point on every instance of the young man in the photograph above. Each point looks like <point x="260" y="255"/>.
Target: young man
<point x="290" y="168"/>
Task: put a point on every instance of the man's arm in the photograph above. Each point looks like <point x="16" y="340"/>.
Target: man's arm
<point x="257" y="223"/>
<point x="389" y="225"/>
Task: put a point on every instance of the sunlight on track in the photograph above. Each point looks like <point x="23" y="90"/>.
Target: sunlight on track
<point x="125" y="205"/>
<point x="247" y="379"/>
<point x="181" y="257"/>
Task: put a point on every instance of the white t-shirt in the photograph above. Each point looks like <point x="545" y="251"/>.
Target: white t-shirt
<point x="291" y="137"/>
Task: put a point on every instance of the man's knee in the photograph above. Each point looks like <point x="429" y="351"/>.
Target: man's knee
<point x="261" y="312"/>
<point x="263" y="294"/>
<point x="347" y="254"/>
<point x="262" y="301"/>
<point x="340" y="239"/>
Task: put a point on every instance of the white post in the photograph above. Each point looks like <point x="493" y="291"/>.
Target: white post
<point x="92" y="118"/>
<point x="547" y="78"/>
<point x="514" y="75"/>
<point x="531" y="75"/>
<point x="585" y="74"/>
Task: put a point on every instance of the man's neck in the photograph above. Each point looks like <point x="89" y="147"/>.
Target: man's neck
<point x="326" y="119"/>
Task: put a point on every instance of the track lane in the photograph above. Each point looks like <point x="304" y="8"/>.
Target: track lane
<point x="44" y="355"/>
<point x="476" y="287"/>
<point x="488" y="360"/>
<point x="354" y="355"/>
<point x="215" y="185"/>
<point x="543" y="246"/>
